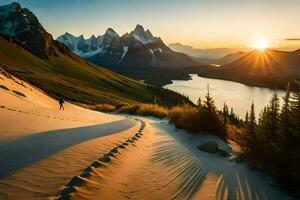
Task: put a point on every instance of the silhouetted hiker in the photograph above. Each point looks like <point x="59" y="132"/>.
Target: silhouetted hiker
<point x="61" y="103"/>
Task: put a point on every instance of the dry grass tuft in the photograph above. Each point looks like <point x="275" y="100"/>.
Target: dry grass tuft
<point x="104" y="107"/>
<point x="145" y="110"/>
<point x="185" y="117"/>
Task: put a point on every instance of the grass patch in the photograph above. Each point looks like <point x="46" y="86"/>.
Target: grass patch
<point x="79" y="81"/>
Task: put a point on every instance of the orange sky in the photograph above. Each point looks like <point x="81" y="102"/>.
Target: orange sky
<point x="199" y="23"/>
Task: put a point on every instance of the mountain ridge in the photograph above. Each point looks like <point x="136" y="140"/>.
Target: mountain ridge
<point x="60" y="72"/>
<point x="21" y="26"/>
<point x="139" y="48"/>
<point x="210" y="53"/>
<point x="268" y="68"/>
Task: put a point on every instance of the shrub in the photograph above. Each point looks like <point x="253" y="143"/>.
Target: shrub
<point x="197" y="120"/>
<point x="185" y="117"/>
<point x="145" y="109"/>
<point x="130" y="109"/>
<point x="152" y="110"/>
<point x="104" y="107"/>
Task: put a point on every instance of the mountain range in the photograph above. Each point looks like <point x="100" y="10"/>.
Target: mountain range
<point x="269" y="68"/>
<point x="29" y="52"/>
<point x="204" y="54"/>
<point x="139" y="48"/>
<point x="229" y="58"/>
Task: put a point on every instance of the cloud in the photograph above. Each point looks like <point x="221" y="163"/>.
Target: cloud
<point x="292" y="39"/>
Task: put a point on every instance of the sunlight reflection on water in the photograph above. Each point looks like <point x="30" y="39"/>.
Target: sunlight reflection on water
<point x="236" y="95"/>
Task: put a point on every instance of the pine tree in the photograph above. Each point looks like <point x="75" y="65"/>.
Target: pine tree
<point x="246" y="118"/>
<point x="250" y="142"/>
<point x="209" y="118"/>
<point x="291" y="161"/>
<point x="252" y="121"/>
<point x="209" y="102"/>
<point x="231" y="112"/>
<point x="295" y="107"/>
<point x="225" y="113"/>
<point x="199" y="103"/>
<point x="274" y="117"/>
<point x="286" y="119"/>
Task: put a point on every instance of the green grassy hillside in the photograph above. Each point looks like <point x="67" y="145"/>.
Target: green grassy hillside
<point x="78" y="80"/>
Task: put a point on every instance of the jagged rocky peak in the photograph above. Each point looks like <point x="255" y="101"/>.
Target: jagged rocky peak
<point x="68" y="39"/>
<point x="65" y="37"/>
<point x="93" y="37"/>
<point x="7" y="9"/>
<point x="93" y="43"/>
<point x="81" y="37"/>
<point x="21" y="26"/>
<point x="141" y="35"/>
<point x="137" y="48"/>
<point x="139" y="29"/>
<point x="149" y="34"/>
<point x="111" y="32"/>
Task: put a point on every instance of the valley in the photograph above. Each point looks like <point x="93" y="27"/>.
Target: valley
<point x="202" y="103"/>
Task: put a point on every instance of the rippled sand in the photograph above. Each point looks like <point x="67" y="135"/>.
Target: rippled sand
<point x="160" y="165"/>
<point x="81" y="154"/>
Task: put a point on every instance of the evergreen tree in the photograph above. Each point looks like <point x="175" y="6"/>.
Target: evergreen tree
<point x="252" y="121"/>
<point x="225" y="113"/>
<point x="274" y="144"/>
<point x="210" y="119"/>
<point x="286" y="119"/>
<point x="231" y="112"/>
<point x="295" y="107"/>
<point x="209" y="102"/>
<point x="262" y="121"/>
<point x="250" y="142"/>
<point x="290" y="160"/>
<point x="199" y="103"/>
<point x="274" y="118"/>
<point x="246" y="118"/>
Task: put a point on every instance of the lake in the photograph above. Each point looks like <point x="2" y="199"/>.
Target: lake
<point x="236" y="95"/>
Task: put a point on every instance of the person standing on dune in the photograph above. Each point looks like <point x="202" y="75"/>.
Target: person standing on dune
<point x="61" y="103"/>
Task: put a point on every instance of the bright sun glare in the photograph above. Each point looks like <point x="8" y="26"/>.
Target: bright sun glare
<point x="261" y="44"/>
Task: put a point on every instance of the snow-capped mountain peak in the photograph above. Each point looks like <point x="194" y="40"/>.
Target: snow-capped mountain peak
<point x="141" y="35"/>
<point x="67" y="39"/>
<point x="111" y="32"/>
<point x="137" y="48"/>
<point x="139" y="29"/>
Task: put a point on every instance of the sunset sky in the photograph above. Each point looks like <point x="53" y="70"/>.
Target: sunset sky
<point x="199" y="23"/>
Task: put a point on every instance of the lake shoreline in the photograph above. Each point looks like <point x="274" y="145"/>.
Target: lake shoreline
<point x="260" y="85"/>
<point x="237" y="95"/>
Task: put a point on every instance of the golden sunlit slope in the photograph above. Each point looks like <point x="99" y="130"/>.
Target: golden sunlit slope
<point x="78" y="80"/>
<point x="261" y="62"/>
<point x="270" y="68"/>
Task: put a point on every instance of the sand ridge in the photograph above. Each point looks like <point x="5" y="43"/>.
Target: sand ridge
<point x="49" y="153"/>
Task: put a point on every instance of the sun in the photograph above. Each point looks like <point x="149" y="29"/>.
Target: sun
<point x="261" y="44"/>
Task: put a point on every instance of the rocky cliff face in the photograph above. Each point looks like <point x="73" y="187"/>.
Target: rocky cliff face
<point x="21" y="26"/>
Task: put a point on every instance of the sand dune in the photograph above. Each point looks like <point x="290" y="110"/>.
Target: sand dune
<point x="46" y="153"/>
<point x="18" y="153"/>
<point x="38" y="113"/>
<point x="165" y="164"/>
